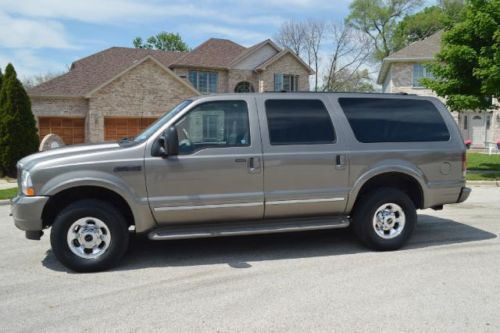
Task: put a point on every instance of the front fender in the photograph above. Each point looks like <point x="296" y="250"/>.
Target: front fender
<point x="138" y="203"/>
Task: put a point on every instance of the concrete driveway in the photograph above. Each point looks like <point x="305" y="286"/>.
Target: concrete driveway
<point x="446" y="279"/>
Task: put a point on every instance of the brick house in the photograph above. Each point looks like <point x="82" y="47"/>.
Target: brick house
<point x="119" y="91"/>
<point x="401" y="72"/>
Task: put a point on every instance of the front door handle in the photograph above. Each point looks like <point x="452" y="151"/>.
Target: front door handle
<point x="254" y="165"/>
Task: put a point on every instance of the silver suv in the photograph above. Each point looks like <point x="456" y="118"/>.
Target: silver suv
<point x="243" y="164"/>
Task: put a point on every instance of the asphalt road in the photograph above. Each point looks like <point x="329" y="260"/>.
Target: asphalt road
<point x="446" y="279"/>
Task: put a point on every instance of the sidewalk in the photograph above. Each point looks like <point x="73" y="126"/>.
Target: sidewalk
<point x="5" y="184"/>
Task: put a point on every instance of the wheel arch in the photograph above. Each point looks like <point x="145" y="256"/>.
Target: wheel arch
<point x="406" y="180"/>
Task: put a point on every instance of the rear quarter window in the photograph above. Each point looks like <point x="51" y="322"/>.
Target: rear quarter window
<point x="394" y="120"/>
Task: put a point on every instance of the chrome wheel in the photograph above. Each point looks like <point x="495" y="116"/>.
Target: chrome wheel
<point x="389" y="221"/>
<point x="88" y="237"/>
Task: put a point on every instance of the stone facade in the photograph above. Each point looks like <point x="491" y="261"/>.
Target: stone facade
<point x="145" y="91"/>
<point x="285" y="65"/>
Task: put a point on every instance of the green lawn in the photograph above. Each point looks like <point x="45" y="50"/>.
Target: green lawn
<point x="477" y="161"/>
<point x="8" y="193"/>
<point x="483" y="176"/>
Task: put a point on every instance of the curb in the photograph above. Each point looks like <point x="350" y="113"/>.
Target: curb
<point x="4" y="202"/>
<point x="495" y="183"/>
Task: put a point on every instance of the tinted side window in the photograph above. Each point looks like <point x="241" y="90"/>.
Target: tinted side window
<point x="394" y="120"/>
<point x="218" y="124"/>
<point x="298" y="122"/>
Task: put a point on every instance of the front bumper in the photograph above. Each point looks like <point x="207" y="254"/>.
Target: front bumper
<point x="27" y="213"/>
<point x="464" y="194"/>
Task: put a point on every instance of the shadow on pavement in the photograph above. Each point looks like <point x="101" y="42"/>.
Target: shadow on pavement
<point x="237" y="252"/>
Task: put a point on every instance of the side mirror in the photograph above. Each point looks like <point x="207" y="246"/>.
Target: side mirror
<point x="171" y="143"/>
<point x="167" y="144"/>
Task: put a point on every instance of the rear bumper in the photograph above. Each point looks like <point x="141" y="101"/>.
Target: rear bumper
<point x="27" y="213"/>
<point x="464" y="194"/>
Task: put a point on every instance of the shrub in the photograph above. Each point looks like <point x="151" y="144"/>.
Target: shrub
<point x="18" y="132"/>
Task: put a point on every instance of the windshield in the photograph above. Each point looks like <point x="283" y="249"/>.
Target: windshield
<point x="161" y="121"/>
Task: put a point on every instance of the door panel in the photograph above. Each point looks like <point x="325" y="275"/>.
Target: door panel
<point x="218" y="174"/>
<point x="305" y="179"/>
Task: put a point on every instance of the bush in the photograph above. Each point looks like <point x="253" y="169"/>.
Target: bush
<point x="18" y="132"/>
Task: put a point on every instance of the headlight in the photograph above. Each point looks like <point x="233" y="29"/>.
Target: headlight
<point x="27" y="184"/>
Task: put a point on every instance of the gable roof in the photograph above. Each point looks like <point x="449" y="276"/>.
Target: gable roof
<point x="93" y="72"/>
<point x="88" y="73"/>
<point x="419" y="51"/>
<point x="252" y="49"/>
<point x="214" y="53"/>
<point x="280" y="55"/>
<point x="137" y="63"/>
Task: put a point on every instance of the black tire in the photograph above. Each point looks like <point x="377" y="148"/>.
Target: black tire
<point x="106" y="213"/>
<point x="364" y="213"/>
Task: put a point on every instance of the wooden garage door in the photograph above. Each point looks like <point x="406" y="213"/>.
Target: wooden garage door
<point x="71" y="130"/>
<point x="118" y="128"/>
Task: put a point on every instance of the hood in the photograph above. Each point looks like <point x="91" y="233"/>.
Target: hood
<point x="74" y="150"/>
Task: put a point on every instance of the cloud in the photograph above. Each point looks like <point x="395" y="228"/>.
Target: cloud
<point x="247" y="37"/>
<point x="32" y="33"/>
<point x="119" y="11"/>
<point x="29" y="63"/>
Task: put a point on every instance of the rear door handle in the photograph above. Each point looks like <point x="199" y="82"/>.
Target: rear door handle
<point x="340" y="162"/>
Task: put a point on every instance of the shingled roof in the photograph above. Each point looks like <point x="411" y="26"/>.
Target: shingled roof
<point x="425" y="49"/>
<point x="214" y="53"/>
<point x="92" y="71"/>
<point x="95" y="70"/>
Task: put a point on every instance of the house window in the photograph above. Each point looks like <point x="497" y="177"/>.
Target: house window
<point x="419" y="72"/>
<point x="465" y="122"/>
<point x="286" y="82"/>
<point x="204" y="82"/>
<point x="243" y="87"/>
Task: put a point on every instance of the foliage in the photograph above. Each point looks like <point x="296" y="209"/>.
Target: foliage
<point x="18" y="132"/>
<point x="349" y="80"/>
<point x="378" y="19"/>
<point x="426" y="22"/>
<point x="36" y="80"/>
<point x="467" y="72"/>
<point x="165" y="41"/>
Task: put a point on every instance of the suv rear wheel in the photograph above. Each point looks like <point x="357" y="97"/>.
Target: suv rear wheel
<point x="384" y="219"/>
<point x="89" y="236"/>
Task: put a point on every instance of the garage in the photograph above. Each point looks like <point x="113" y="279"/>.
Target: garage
<point x="117" y="128"/>
<point x="71" y="130"/>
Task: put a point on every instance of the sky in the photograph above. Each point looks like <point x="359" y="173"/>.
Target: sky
<point x="46" y="36"/>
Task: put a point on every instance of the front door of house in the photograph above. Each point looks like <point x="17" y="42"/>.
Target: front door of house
<point x="478" y="129"/>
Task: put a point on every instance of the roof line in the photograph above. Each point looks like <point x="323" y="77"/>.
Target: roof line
<point x="254" y="48"/>
<point x="148" y="57"/>
<point x="281" y="54"/>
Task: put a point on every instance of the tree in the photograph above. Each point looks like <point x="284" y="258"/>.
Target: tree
<point x="467" y="70"/>
<point x="314" y="32"/>
<point x="426" y="22"/>
<point x="350" y="52"/>
<point x="292" y="35"/>
<point x="378" y="19"/>
<point x="1" y="79"/>
<point x="18" y="132"/>
<point x="165" y="41"/>
<point x="36" y="80"/>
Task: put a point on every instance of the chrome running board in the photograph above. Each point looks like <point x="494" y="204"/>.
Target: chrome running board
<point x="206" y="230"/>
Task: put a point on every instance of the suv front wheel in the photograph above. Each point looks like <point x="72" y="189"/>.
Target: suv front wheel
<point x="384" y="219"/>
<point x="89" y="236"/>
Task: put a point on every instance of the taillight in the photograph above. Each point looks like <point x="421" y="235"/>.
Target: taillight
<point x="464" y="163"/>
